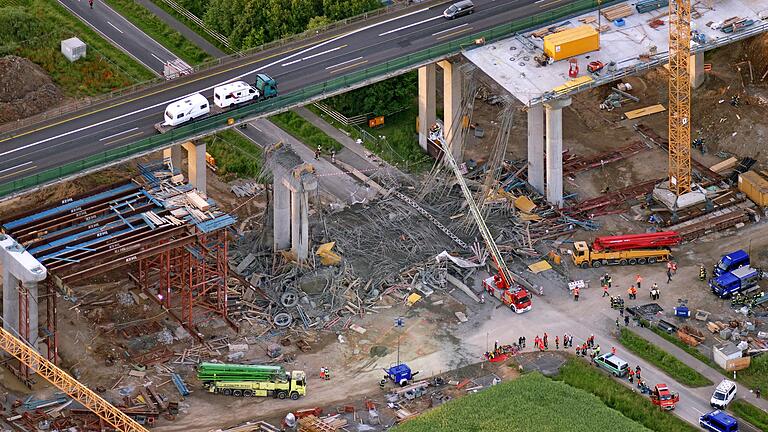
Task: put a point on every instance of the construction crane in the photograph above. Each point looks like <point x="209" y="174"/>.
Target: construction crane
<point x="60" y="379"/>
<point x="512" y="295"/>
<point x="679" y="97"/>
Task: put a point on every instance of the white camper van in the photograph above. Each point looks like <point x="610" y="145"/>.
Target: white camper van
<point x="186" y="109"/>
<point x="233" y="93"/>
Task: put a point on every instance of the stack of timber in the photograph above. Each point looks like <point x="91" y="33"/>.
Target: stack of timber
<point x="617" y="12"/>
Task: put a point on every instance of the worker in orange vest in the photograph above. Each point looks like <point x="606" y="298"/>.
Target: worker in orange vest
<point x="605" y="291"/>
<point x="639" y="280"/>
<point x="576" y="294"/>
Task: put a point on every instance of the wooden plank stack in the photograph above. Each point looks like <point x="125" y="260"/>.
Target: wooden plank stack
<point x="617" y="12"/>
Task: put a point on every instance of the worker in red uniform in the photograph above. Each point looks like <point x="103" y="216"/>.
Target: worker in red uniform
<point x="557" y="342"/>
<point x="576" y="294"/>
<point x="546" y="340"/>
<point x="605" y="291"/>
<point x="613" y="350"/>
<point x="631" y="375"/>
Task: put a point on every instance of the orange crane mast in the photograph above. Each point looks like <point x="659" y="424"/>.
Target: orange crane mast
<point x="60" y="379"/>
<point x="679" y="97"/>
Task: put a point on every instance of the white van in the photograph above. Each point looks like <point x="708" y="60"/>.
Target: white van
<point x="723" y="394"/>
<point x="233" y="93"/>
<point x="186" y="109"/>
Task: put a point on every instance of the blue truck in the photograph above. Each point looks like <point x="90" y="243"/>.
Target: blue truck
<point x="741" y="280"/>
<point x="730" y="262"/>
<point x="718" y="421"/>
<point x="400" y="374"/>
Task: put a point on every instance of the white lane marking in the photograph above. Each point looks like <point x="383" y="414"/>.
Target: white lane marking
<point x="539" y="1"/>
<point x="119" y="133"/>
<point x="251" y="72"/>
<point x="452" y="28"/>
<point x="158" y="58"/>
<point x="114" y="27"/>
<point x="344" y="62"/>
<point x="314" y="55"/>
<point x="16" y="167"/>
<point x="410" y="25"/>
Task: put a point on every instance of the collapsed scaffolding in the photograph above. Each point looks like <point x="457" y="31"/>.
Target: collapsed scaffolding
<point x="174" y="239"/>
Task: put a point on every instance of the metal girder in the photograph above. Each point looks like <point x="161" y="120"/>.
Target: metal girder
<point x="679" y="96"/>
<point x="127" y="259"/>
<point x="109" y="244"/>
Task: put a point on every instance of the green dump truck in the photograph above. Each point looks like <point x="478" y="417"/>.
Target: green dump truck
<point x="252" y="380"/>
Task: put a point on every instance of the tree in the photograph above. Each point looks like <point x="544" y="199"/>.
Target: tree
<point x="380" y="98"/>
<point x="318" y="22"/>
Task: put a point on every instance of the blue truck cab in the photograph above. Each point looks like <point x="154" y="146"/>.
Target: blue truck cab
<point x="730" y="262"/>
<point x="718" y="421"/>
<point x="739" y="280"/>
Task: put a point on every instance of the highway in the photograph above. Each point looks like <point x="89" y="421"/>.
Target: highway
<point x="124" y="120"/>
<point x="121" y="33"/>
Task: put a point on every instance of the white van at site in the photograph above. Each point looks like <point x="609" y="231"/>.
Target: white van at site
<point x="184" y="110"/>
<point x="233" y="93"/>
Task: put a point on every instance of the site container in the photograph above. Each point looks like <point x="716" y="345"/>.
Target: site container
<point x="572" y="42"/>
<point x="755" y="187"/>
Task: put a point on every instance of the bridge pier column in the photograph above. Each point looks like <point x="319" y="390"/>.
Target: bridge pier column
<point x="554" y="111"/>
<point x="196" y="165"/>
<point x="173" y="155"/>
<point x="696" y="69"/>
<point x="21" y="273"/>
<point x="536" y="147"/>
<point x="300" y="224"/>
<point x="427" y="96"/>
<point x="281" y="222"/>
<point x="452" y="127"/>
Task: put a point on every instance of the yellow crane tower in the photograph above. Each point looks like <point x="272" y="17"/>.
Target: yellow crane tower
<point x="77" y="391"/>
<point x="679" y="97"/>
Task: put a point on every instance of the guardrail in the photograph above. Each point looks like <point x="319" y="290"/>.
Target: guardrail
<point x="295" y="98"/>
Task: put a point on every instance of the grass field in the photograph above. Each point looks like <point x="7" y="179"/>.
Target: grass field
<point x="305" y="131"/>
<point x="158" y="30"/>
<point x="35" y="28"/>
<point x="633" y="405"/>
<point x="236" y="156"/>
<point x="750" y="413"/>
<point x="401" y="146"/>
<point x="673" y="367"/>
<point x="529" y="403"/>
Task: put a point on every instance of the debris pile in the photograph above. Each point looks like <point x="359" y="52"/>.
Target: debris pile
<point x="25" y="89"/>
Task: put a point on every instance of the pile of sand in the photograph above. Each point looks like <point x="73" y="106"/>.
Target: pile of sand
<point x="25" y="89"/>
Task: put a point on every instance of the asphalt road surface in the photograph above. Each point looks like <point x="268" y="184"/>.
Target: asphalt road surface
<point x="121" y="121"/>
<point x="121" y="33"/>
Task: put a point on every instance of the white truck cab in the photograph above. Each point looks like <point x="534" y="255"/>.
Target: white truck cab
<point x="184" y="110"/>
<point x="723" y="394"/>
<point x="233" y="93"/>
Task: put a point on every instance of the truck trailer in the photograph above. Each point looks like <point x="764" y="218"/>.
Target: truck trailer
<point x="631" y="249"/>
<point x="252" y="380"/>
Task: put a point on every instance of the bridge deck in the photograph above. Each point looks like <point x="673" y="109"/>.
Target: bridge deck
<point x="510" y="62"/>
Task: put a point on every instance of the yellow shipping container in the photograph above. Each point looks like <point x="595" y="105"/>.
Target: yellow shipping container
<point x="571" y="42"/>
<point x="755" y="187"/>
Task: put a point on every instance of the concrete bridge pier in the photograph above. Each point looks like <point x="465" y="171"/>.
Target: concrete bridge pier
<point x="196" y="165"/>
<point x="21" y="273"/>
<point x="427" y="98"/>
<point x="536" y="147"/>
<point x="173" y="155"/>
<point x="554" y="122"/>
<point x="293" y="181"/>
<point x="452" y="89"/>
<point x="696" y="69"/>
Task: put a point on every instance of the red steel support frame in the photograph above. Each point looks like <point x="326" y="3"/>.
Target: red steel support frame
<point x="190" y="278"/>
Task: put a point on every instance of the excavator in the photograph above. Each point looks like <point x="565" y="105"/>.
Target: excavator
<point x="501" y="285"/>
<point x="64" y="382"/>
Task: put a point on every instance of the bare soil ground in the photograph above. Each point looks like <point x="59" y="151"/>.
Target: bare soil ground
<point x="25" y="89"/>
